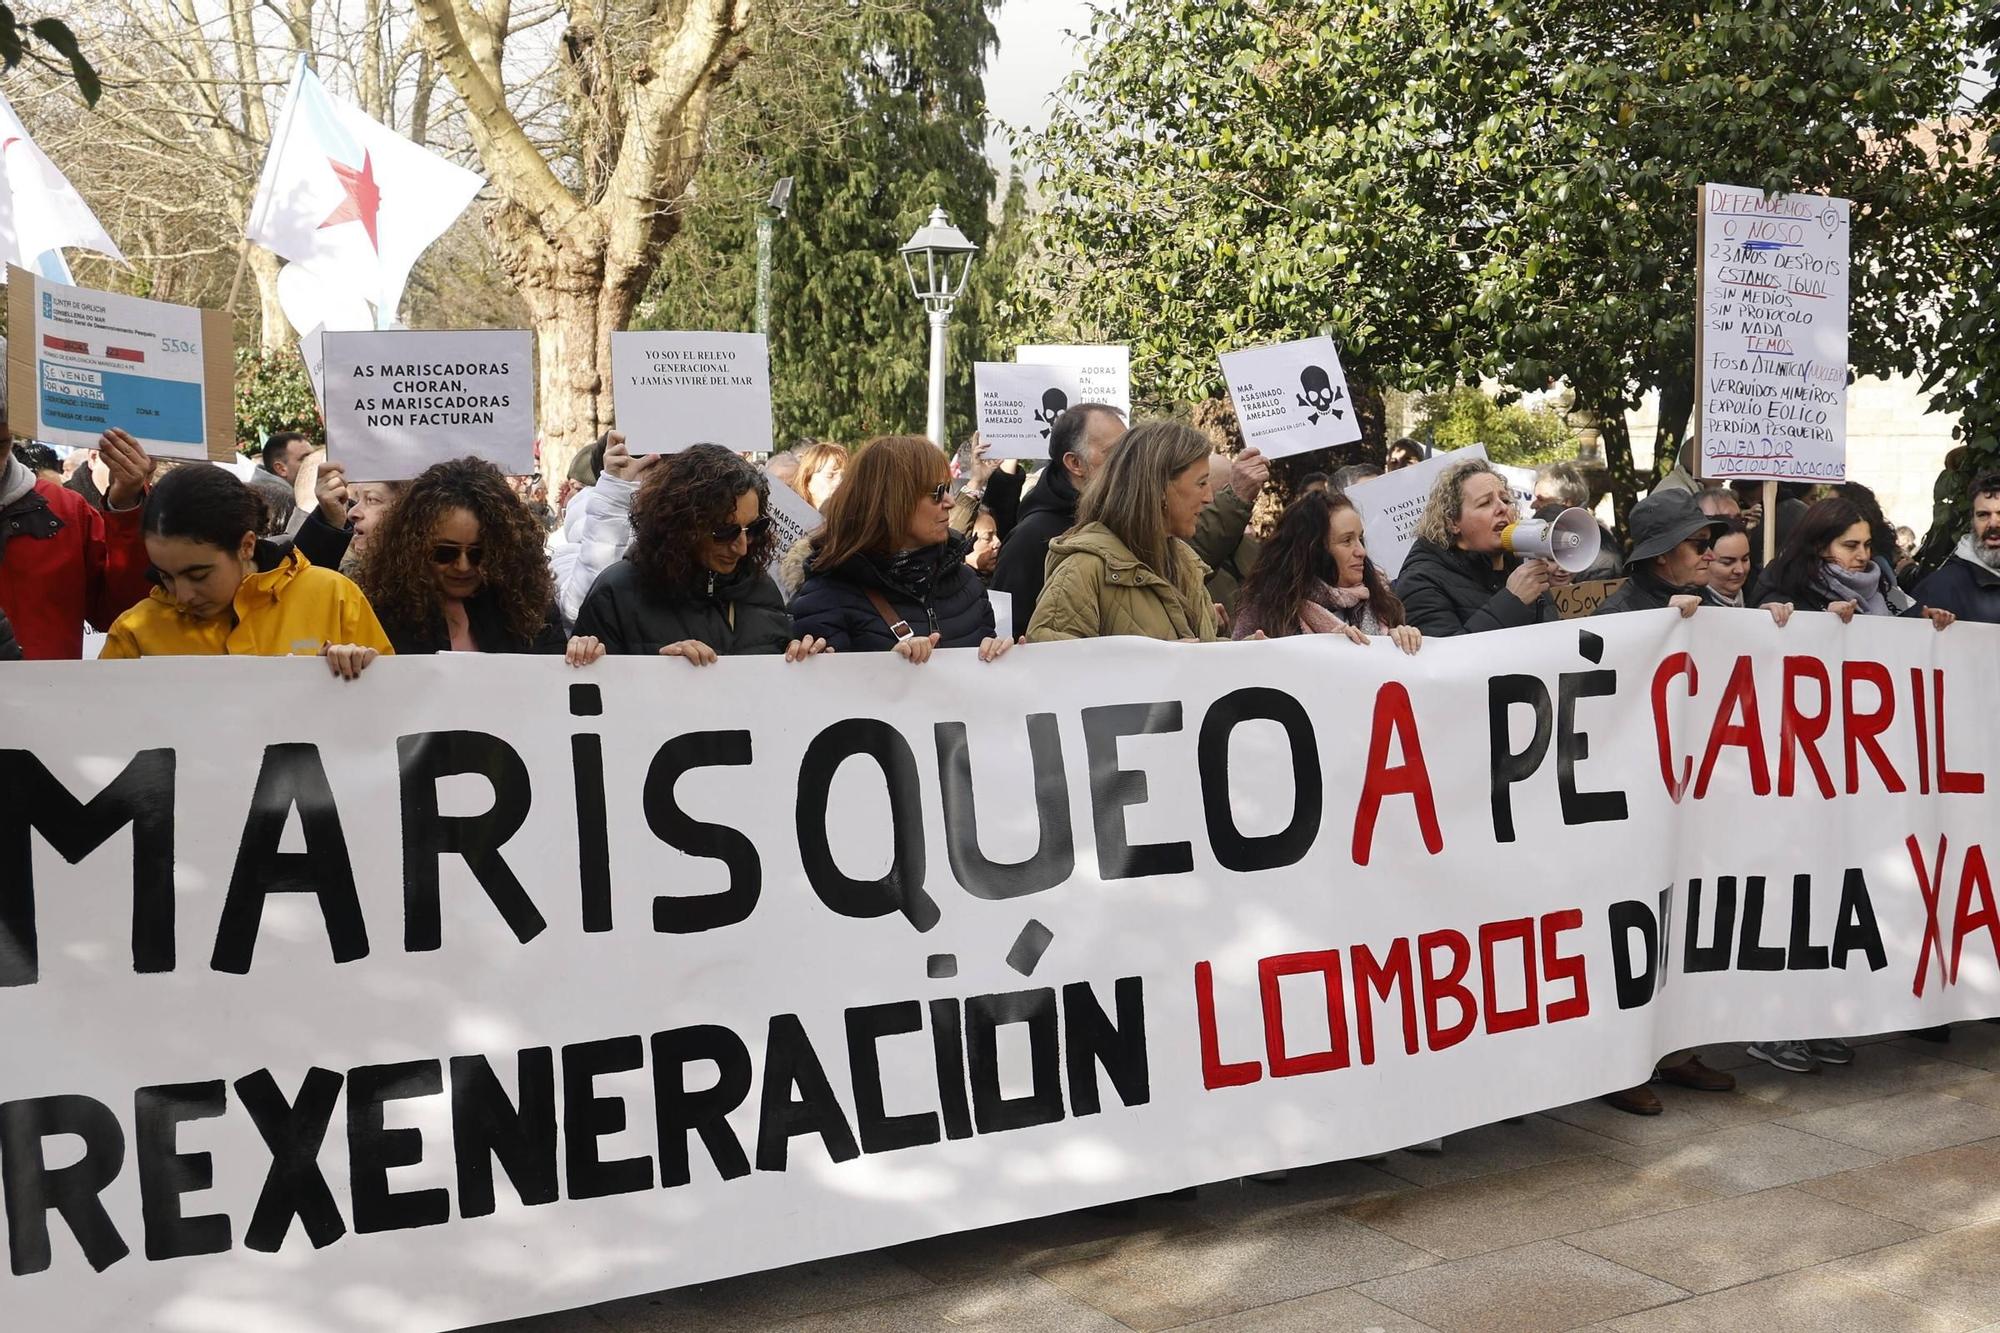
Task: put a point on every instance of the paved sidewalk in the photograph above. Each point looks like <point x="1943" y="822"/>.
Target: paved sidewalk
<point x="1865" y="1198"/>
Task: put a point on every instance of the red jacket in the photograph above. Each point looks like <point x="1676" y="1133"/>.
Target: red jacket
<point x="62" y="563"/>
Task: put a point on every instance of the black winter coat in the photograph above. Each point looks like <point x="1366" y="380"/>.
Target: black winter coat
<point x="1456" y="592"/>
<point x="736" y="613"/>
<point x="1641" y="591"/>
<point x="1046" y="514"/>
<point x="1812" y="597"/>
<point x="1968" y="590"/>
<point x="489" y="631"/>
<point x="321" y="542"/>
<point x="10" y="651"/>
<point x="833" y="604"/>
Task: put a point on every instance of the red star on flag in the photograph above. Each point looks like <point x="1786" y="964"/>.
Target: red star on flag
<point x="363" y="201"/>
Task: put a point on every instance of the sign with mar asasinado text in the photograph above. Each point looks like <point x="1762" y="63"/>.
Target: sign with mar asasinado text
<point x="1291" y="398"/>
<point x="399" y="400"/>
<point x="1771" y="355"/>
<point x="81" y="362"/>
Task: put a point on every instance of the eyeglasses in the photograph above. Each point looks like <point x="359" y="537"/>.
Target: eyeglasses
<point x="447" y="553"/>
<point x="725" y="533"/>
<point x="940" y="492"/>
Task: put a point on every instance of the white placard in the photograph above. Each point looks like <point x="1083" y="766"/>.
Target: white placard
<point x="1003" y="613"/>
<point x="82" y="362"/>
<point x="791" y="515"/>
<point x="399" y="400"/>
<point x="1018" y="405"/>
<point x="1522" y="479"/>
<point x="1291" y="398"/>
<point x="1105" y="370"/>
<point x="673" y="390"/>
<point x="1771" y="383"/>
<point x="1390" y="506"/>
<point x="312" y="351"/>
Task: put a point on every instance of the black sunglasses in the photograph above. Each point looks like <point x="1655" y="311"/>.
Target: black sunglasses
<point x="725" y="533"/>
<point x="939" y="492"/>
<point x="447" y="553"/>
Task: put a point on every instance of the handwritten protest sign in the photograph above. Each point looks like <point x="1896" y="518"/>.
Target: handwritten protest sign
<point x="81" y="362"/>
<point x="484" y="987"/>
<point x="1018" y="405"/>
<point x="1771" y="350"/>
<point x="1291" y="397"/>
<point x="399" y="400"/>
<point x="671" y="390"/>
<point x="1577" y="600"/>
<point x="1104" y="372"/>
<point x="1391" y="504"/>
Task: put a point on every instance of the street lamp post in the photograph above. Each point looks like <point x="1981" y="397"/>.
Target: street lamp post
<point x="779" y="203"/>
<point x="938" y="259"/>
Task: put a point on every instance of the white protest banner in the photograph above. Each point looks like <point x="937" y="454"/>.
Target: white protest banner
<point x="1390" y="506"/>
<point x="1771" y="341"/>
<point x="673" y="390"/>
<point x="81" y="362"/>
<point x="1104" y="372"/>
<point x="483" y="987"/>
<point x="399" y="400"/>
<point x="1291" y="397"/>
<point x="794" y="518"/>
<point x="1018" y="405"/>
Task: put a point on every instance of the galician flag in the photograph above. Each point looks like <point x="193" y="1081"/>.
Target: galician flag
<point x="350" y="200"/>
<point x="40" y="211"/>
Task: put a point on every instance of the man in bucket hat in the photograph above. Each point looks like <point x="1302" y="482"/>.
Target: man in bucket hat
<point x="1668" y="566"/>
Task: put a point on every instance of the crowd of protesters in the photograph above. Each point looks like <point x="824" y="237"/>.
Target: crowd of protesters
<point x="1141" y="531"/>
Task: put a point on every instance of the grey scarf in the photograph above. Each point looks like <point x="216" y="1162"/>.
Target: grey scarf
<point x="1968" y="549"/>
<point x="16" y="481"/>
<point x="1862" y="587"/>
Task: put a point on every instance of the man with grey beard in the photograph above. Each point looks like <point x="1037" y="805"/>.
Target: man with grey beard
<point x="1968" y="585"/>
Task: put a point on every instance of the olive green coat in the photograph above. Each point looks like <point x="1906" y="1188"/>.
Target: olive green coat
<point x="1096" y="587"/>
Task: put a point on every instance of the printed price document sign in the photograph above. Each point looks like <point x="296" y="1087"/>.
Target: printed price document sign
<point x="1291" y="398"/>
<point x="399" y="400"/>
<point x="672" y="390"/>
<point x="81" y="362"/>
<point x="1771" y="351"/>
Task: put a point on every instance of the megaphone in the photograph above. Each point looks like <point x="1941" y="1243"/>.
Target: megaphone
<point x="1571" y="539"/>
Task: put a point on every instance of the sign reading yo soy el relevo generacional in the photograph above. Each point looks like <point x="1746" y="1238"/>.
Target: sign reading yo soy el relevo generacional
<point x="81" y="362"/>
<point x="1292" y="397"/>
<point x="399" y="400"/>
<point x="671" y="390"/>
<point x="1018" y="405"/>
<point x="1771" y="360"/>
<point x="1104" y="372"/>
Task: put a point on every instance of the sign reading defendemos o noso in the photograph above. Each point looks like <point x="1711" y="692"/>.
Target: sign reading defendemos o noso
<point x="1291" y="398"/>
<point x="671" y="390"/>
<point x="399" y="400"/>
<point x="1018" y="405"/>
<point x="81" y="362"/>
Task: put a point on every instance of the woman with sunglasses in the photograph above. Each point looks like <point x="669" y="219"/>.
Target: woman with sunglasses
<point x="693" y="585"/>
<point x="885" y="572"/>
<point x="459" y="566"/>
<point x="222" y="588"/>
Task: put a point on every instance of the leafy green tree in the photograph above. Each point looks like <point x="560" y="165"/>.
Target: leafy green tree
<point x="1503" y="188"/>
<point x="273" y="393"/>
<point x="877" y="119"/>
<point x="1513" y="433"/>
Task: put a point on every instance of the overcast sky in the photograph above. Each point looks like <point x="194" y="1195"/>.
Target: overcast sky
<point x="1037" y="52"/>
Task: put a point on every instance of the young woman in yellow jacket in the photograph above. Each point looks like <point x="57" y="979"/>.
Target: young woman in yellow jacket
<point x="220" y="589"/>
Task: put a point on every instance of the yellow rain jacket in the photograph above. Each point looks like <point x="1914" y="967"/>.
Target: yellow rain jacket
<point x="292" y="609"/>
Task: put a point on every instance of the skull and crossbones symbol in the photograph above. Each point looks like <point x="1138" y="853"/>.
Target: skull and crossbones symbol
<point x="1054" y="403"/>
<point x="1319" y="395"/>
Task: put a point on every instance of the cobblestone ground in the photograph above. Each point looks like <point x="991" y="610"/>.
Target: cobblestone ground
<point x="1861" y="1198"/>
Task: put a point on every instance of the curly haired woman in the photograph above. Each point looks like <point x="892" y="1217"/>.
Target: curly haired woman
<point x="692" y="585"/>
<point x="459" y="566"/>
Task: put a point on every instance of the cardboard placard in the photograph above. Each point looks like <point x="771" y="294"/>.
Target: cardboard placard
<point x="1771" y="339"/>
<point x="1577" y="600"/>
<point x="1104" y="371"/>
<point x="81" y="362"/>
<point x="671" y="390"/>
<point x="399" y="400"/>
<point x="1391" y="504"/>
<point x="1291" y="398"/>
<point x="1018" y="405"/>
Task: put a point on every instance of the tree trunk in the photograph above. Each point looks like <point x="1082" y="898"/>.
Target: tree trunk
<point x="274" y="331"/>
<point x="1676" y="408"/>
<point x="1617" y="437"/>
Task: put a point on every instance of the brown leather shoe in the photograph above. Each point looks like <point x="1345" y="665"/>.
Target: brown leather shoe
<point x="1692" y="1073"/>
<point x="1635" y="1101"/>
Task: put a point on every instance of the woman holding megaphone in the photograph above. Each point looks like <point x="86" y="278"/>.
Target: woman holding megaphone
<point x="1459" y="577"/>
